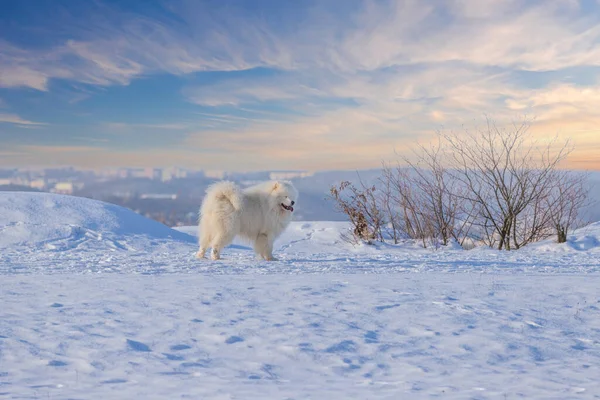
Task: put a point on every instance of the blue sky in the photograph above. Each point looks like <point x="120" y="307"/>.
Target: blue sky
<point x="251" y="85"/>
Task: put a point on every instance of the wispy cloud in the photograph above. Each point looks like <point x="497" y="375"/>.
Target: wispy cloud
<point x="16" y="120"/>
<point x="346" y="138"/>
<point x="532" y="35"/>
<point x="103" y="52"/>
<point x="247" y="91"/>
<point x="558" y="96"/>
<point x="316" y="85"/>
<point x="121" y="126"/>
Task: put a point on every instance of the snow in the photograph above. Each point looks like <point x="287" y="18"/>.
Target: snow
<point x="58" y="222"/>
<point x="47" y="233"/>
<point x="98" y="302"/>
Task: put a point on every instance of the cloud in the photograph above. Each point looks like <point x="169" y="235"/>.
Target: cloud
<point x="17" y="68"/>
<point x="35" y="68"/>
<point x="34" y="149"/>
<point x="483" y="9"/>
<point x="345" y="138"/>
<point x="568" y="111"/>
<point x="318" y="85"/>
<point x="560" y="95"/>
<point x="449" y="86"/>
<point x="16" y="120"/>
<point x="517" y="34"/>
<point x="246" y="91"/>
<point x="116" y="47"/>
<point x="392" y="113"/>
<point x="43" y="156"/>
<point x="124" y="126"/>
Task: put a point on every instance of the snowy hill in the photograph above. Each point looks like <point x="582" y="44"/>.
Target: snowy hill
<point x="57" y="222"/>
<point x="99" y="302"/>
<point x="37" y="229"/>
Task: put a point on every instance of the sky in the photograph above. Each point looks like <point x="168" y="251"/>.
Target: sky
<point x="288" y="85"/>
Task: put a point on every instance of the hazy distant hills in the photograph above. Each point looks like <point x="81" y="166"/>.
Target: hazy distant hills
<point x="176" y="202"/>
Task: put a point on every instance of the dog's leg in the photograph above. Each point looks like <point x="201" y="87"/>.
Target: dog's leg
<point x="219" y="242"/>
<point x="260" y="245"/>
<point x="269" y="249"/>
<point x="264" y="247"/>
<point x="204" y="242"/>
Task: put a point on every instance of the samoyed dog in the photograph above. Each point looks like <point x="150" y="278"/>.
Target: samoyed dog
<point x="258" y="214"/>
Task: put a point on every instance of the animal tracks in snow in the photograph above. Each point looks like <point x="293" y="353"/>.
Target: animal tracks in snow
<point x="367" y="336"/>
<point x="98" y="302"/>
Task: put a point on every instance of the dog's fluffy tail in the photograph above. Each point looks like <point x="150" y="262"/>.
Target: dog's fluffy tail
<point x="225" y="190"/>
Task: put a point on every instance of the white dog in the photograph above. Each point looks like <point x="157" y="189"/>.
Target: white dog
<point x="258" y="214"/>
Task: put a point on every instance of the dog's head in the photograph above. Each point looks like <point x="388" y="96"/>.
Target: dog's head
<point x="285" y="195"/>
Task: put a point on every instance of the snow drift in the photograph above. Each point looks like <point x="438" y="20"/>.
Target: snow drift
<point x="60" y="222"/>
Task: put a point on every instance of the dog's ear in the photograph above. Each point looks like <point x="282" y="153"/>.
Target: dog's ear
<point x="276" y="185"/>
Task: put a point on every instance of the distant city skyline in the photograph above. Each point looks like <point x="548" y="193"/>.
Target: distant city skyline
<point x="308" y="85"/>
<point x="67" y="179"/>
<point x="169" y="195"/>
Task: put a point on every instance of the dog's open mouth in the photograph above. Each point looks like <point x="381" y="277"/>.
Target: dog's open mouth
<point x="289" y="208"/>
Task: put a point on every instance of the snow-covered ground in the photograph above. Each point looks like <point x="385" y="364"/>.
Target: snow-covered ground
<point x="98" y="302"/>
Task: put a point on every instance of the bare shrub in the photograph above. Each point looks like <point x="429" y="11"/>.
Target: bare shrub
<point x="428" y="201"/>
<point x="490" y="186"/>
<point x="361" y="206"/>
<point x="388" y="199"/>
<point x="508" y="179"/>
<point x="568" y="196"/>
<point x="405" y="201"/>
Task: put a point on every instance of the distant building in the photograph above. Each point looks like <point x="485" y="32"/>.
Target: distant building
<point x="173" y="173"/>
<point x="63" y="188"/>
<point x="16" y="180"/>
<point x="166" y="176"/>
<point x="39" y="184"/>
<point x="153" y="173"/>
<point x="181" y="173"/>
<point x="159" y="196"/>
<point x="137" y="173"/>
<point x="5" y="182"/>
<point x="110" y="173"/>
<point x="289" y="175"/>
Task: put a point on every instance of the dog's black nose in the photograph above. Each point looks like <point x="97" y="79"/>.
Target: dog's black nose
<point x="293" y="202"/>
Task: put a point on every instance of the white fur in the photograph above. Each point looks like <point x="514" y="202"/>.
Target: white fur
<point x="254" y="213"/>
